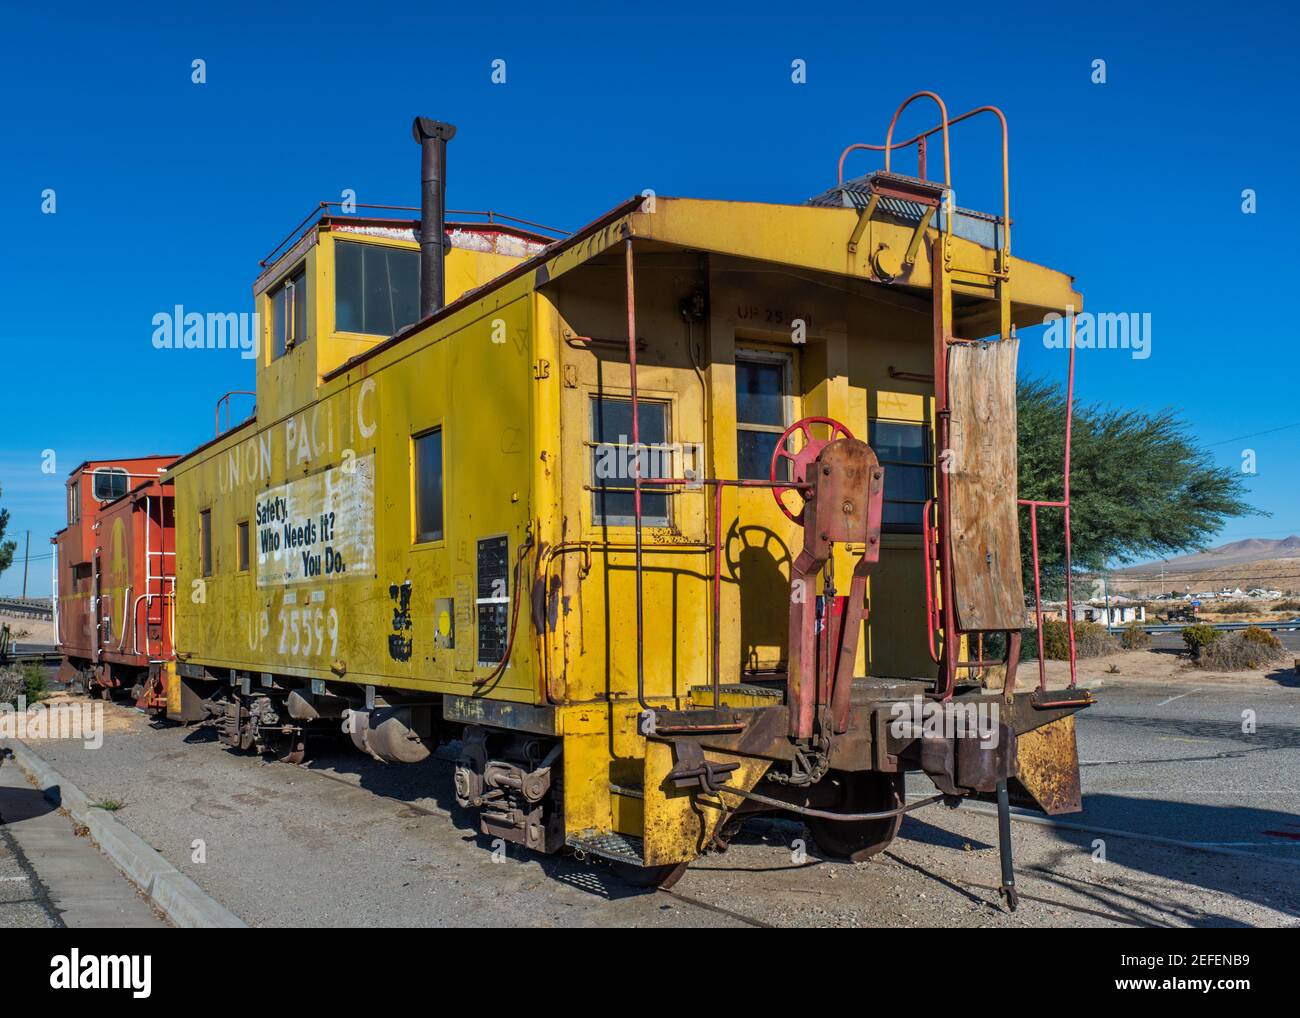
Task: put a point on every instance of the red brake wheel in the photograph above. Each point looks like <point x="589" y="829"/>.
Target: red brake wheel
<point x="801" y="460"/>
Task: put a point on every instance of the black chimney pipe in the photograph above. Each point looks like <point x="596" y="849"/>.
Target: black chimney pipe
<point x="433" y="136"/>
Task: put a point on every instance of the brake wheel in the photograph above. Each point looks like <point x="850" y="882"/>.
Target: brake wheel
<point x="800" y="461"/>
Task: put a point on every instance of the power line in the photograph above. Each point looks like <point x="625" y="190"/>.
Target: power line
<point x="1255" y="434"/>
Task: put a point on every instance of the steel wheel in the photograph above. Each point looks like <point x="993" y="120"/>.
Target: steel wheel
<point x="286" y="748"/>
<point x="294" y="751"/>
<point x="860" y="792"/>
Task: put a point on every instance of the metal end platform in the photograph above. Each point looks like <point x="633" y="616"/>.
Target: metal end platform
<point x="609" y="845"/>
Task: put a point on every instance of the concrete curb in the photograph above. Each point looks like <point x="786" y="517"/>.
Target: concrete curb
<point x="180" y="898"/>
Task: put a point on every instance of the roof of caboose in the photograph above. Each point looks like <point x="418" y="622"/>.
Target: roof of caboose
<point x="491" y="231"/>
<point x="812" y="237"/>
<point x="119" y="461"/>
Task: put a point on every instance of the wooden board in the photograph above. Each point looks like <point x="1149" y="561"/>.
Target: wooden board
<point x="982" y="511"/>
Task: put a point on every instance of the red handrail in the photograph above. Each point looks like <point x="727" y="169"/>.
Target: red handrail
<point x="1064" y="504"/>
<point x="919" y="141"/>
<point x="943" y="124"/>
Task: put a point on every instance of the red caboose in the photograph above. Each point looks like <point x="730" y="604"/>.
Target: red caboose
<point x="115" y="576"/>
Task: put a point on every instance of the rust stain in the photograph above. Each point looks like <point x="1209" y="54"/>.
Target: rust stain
<point x="1047" y="763"/>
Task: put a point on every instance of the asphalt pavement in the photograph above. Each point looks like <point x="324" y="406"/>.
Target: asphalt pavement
<point x="1189" y="820"/>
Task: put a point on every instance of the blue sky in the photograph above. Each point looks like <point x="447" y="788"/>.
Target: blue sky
<point x="169" y="192"/>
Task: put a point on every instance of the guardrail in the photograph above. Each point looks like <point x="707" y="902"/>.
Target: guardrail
<point x="1290" y="625"/>
<point x="27" y="607"/>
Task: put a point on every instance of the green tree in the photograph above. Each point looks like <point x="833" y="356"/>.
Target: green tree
<point x="1140" y="486"/>
<point x="6" y="547"/>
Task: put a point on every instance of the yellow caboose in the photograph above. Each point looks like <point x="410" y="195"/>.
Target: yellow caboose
<point x="666" y="521"/>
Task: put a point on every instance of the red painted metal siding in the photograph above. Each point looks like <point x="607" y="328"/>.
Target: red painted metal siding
<point x="115" y="566"/>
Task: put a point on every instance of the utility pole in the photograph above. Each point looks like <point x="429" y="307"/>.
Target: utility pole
<point x="27" y="547"/>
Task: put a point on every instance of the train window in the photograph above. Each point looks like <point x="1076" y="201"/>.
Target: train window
<point x="762" y="390"/>
<point x="74" y="502"/>
<point x="108" y="483"/>
<point x="376" y="289"/>
<point x="903" y="448"/>
<point x="427" y="457"/>
<point x="613" y="499"/>
<point x="289" y="327"/>
<point x="241" y="545"/>
<point x="205" y="542"/>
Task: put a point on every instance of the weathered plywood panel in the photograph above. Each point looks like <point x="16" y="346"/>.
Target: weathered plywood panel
<point x="982" y="509"/>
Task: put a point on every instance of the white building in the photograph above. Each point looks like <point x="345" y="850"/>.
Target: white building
<point x="1114" y="614"/>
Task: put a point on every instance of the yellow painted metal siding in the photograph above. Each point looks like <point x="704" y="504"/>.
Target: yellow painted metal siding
<point x="510" y="379"/>
<point x="340" y="627"/>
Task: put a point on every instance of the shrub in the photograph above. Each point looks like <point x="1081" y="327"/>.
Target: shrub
<point x="1090" y="640"/>
<point x="1253" y="634"/>
<point x="1287" y="606"/>
<point x="28" y="681"/>
<point x="34" y="684"/>
<point x="1199" y="636"/>
<point x="1234" y="608"/>
<point x="1056" y="640"/>
<point x="1249" y="648"/>
<point x="11" y="684"/>
<point x="1134" y="637"/>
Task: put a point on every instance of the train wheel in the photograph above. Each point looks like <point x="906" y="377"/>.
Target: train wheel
<point x="295" y="754"/>
<point x="290" y="749"/>
<point x="860" y="792"/>
<point x="661" y="877"/>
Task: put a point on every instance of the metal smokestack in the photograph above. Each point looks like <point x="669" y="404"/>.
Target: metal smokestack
<point x="433" y="136"/>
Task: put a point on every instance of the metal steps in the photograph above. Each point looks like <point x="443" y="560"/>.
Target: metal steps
<point x="609" y="845"/>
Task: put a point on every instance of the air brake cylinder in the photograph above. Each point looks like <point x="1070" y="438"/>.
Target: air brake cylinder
<point x="391" y="734"/>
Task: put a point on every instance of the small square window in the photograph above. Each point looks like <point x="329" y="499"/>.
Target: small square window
<point x="427" y="457"/>
<point x="376" y="288"/>
<point x="109" y="483"/>
<point x="612" y="461"/>
<point x="241" y="545"/>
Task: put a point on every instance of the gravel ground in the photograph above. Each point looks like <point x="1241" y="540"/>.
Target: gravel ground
<point x="345" y="841"/>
